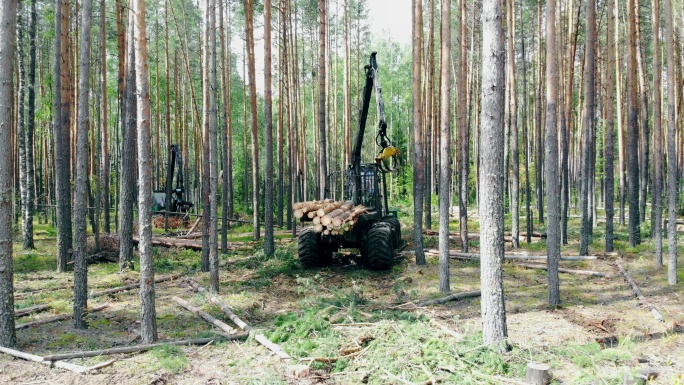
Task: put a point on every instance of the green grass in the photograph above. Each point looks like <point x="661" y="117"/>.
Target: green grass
<point x="170" y="358"/>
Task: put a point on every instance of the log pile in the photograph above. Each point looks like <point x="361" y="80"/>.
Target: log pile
<point x="329" y="217"/>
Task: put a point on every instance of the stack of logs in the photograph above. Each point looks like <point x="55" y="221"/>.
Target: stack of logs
<point x="329" y="218"/>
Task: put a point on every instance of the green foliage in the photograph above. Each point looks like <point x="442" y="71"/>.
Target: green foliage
<point x="170" y="358"/>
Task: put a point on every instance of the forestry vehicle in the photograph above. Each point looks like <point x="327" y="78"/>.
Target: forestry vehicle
<point x="171" y="194"/>
<point x="376" y="233"/>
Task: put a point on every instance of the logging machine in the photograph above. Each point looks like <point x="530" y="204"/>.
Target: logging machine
<point x="174" y="167"/>
<point x="377" y="232"/>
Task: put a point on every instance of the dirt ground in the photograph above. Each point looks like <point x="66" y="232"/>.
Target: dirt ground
<point x="595" y="309"/>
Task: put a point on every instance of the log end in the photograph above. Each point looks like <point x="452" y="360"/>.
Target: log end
<point x="537" y="373"/>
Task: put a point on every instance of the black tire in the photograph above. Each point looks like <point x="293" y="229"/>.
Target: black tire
<point x="379" y="247"/>
<point x="311" y="250"/>
<point x="396" y="230"/>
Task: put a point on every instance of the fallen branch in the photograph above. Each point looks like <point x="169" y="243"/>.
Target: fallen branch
<point x="204" y="315"/>
<point x="275" y="348"/>
<point x="30" y="310"/>
<point x="36" y="292"/>
<point x="132" y="286"/>
<point x="58" y="364"/>
<point x="133" y="349"/>
<point x="194" y="225"/>
<point x="637" y="292"/>
<point x="334" y="359"/>
<point x="60" y="317"/>
<point x="476" y="256"/>
<point x="226" y="309"/>
<point x="563" y="270"/>
<point x="172" y="242"/>
<point x="452" y="297"/>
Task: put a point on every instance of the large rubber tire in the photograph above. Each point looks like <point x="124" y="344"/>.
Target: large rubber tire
<point x="396" y="230"/>
<point x="311" y="250"/>
<point x="379" y="247"/>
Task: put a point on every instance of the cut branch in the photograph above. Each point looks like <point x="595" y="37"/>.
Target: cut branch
<point x="30" y="310"/>
<point x="132" y="286"/>
<point x="563" y="270"/>
<point x="59" y="364"/>
<point x="57" y="318"/>
<point x="638" y="293"/>
<point x="204" y="315"/>
<point x="275" y="348"/>
<point x="226" y="309"/>
<point x="452" y="297"/>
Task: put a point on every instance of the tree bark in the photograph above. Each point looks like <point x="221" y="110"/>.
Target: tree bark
<point x="444" y="148"/>
<point x="526" y="146"/>
<point x="28" y="242"/>
<point x="491" y="176"/>
<point x="148" y="318"/>
<point x="62" y="135"/>
<point x="227" y="200"/>
<point x="551" y="157"/>
<point x="213" y="149"/>
<point x="464" y="131"/>
<point x="81" y="190"/>
<point x="127" y="181"/>
<point x="322" y="137"/>
<point x="429" y="92"/>
<point x="418" y="161"/>
<point x="588" y="126"/>
<point x="609" y="133"/>
<point x="632" y="130"/>
<point x="206" y="147"/>
<point x="8" y="14"/>
<point x="657" y="194"/>
<point x="671" y="146"/>
<point x="513" y="111"/>
<point x="269" y="246"/>
<point x="21" y="118"/>
<point x="104" y="170"/>
<point x="249" y="31"/>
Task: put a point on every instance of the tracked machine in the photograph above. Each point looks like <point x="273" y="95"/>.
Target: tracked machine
<point x="375" y="231"/>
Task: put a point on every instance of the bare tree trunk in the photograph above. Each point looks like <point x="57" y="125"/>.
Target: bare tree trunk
<point x="249" y="29"/>
<point x="671" y="147"/>
<point x="491" y="184"/>
<point x="551" y="157"/>
<point x="513" y="111"/>
<point x="429" y="112"/>
<point x="610" y="126"/>
<point x="418" y="161"/>
<point x="30" y="131"/>
<point x="280" y="208"/>
<point x="62" y="135"/>
<point x="539" y="160"/>
<point x="148" y="318"/>
<point x="206" y="139"/>
<point x="322" y="146"/>
<point x="127" y="180"/>
<point x="588" y="125"/>
<point x="8" y="20"/>
<point x="526" y="152"/>
<point x="632" y="130"/>
<point x="227" y="191"/>
<point x="644" y="138"/>
<point x="444" y="148"/>
<point x="657" y="195"/>
<point x="104" y="170"/>
<point x="213" y="148"/>
<point x="21" y="120"/>
<point x="269" y="246"/>
<point x="463" y="131"/>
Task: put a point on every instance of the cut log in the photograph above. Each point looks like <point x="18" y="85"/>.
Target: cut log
<point x="537" y="374"/>
<point x="311" y="214"/>
<point x="204" y="315"/>
<point x="275" y="348"/>
<point x="298" y="213"/>
<point x="30" y="310"/>
<point x="226" y="309"/>
<point x="194" y="225"/>
<point x="654" y="312"/>
<point x="317" y="221"/>
<point x="452" y="297"/>
<point x="563" y="270"/>
<point x="318" y="228"/>
<point x="476" y="256"/>
<point x="58" y="364"/>
<point x="60" y="317"/>
<point x="135" y="348"/>
<point x="37" y="292"/>
<point x="173" y="242"/>
<point x="132" y="286"/>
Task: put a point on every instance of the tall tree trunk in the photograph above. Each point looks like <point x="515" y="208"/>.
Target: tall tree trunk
<point x="227" y="191"/>
<point x="429" y="111"/>
<point x="513" y="111"/>
<point x="491" y="208"/>
<point x="644" y="138"/>
<point x="213" y="148"/>
<point x="206" y="139"/>
<point x="463" y="129"/>
<point x="551" y="157"/>
<point x="620" y="121"/>
<point x="588" y="125"/>
<point x="444" y="148"/>
<point x="269" y="246"/>
<point x="8" y="20"/>
<point x="418" y="161"/>
<point x="526" y="152"/>
<point x="609" y="133"/>
<point x="30" y="131"/>
<point x="104" y="171"/>
<point x="148" y="318"/>
<point x="81" y="190"/>
<point x="21" y="120"/>
<point x="539" y="159"/>
<point x="249" y="25"/>
<point x="280" y="208"/>
<point x="322" y="139"/>
<point x="127" y="181"/>
<point x="671" y="146"/>
<point x="657" y="195"/>
<point x="62" y="135"/>
<point x="632" y="130"/>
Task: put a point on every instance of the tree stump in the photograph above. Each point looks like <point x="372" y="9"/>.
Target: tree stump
<point x="537" y="374"/>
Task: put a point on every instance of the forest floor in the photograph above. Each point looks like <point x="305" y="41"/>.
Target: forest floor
<point x="600" y="334"/>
